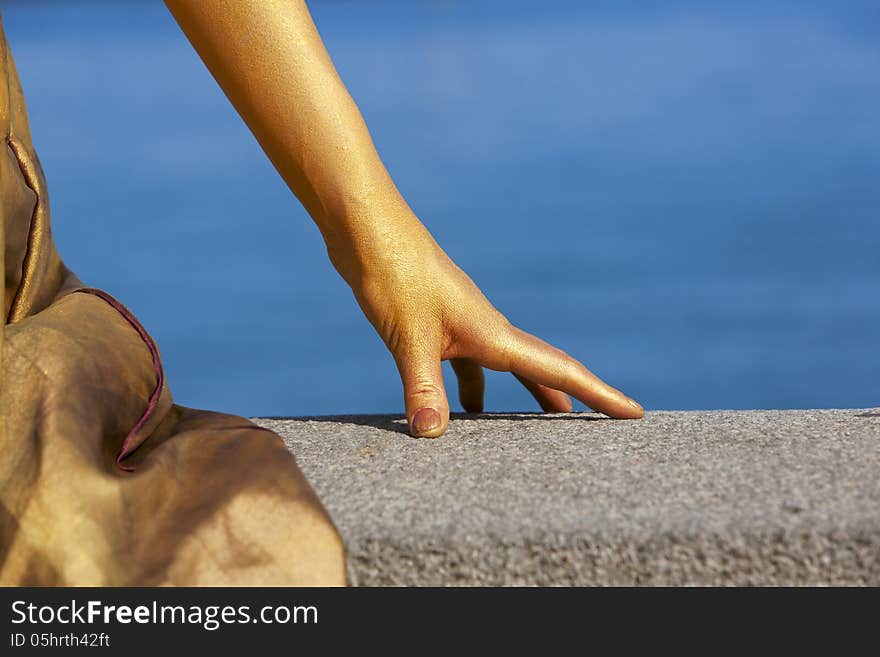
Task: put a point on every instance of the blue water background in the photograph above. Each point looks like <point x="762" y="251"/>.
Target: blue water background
<point x="684" y="196"/>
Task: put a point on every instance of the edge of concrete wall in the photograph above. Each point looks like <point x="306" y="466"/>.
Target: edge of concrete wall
<point x="678" y="498"/>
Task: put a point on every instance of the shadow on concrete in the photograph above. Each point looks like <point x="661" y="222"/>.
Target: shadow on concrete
<point x="397" y="423"/>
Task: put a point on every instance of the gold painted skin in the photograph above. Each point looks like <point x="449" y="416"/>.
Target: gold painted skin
<point x="271" y="63"/>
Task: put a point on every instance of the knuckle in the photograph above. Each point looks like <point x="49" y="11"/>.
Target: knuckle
<point x="569" y="368"/>
<point x="422" y="389"/>
<point x="503" y="337"/>
<point x="392" y="336"/>
<point x="566" y="358"/>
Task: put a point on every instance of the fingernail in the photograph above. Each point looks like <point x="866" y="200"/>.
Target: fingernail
<point x="636" y="406"/>
<point x="425" y="420"/>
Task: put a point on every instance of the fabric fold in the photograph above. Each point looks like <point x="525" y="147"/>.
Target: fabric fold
<point x="104" y="480"/>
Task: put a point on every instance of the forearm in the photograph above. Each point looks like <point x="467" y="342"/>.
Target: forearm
<point x="270" y="61"/>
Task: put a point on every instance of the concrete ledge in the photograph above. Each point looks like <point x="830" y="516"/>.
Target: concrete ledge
<point x="719" y="497"/>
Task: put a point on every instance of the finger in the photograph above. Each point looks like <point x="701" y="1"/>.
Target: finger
<point x="471" y="383"/>
<point x="532" y="358"/>
<point x="550" y="400"/>
<point x="427" y="409"/>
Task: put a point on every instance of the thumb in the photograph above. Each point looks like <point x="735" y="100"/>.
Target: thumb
<point x="427" y="409"/>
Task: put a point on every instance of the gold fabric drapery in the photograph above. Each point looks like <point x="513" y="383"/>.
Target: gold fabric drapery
<point x="104" y="480"/>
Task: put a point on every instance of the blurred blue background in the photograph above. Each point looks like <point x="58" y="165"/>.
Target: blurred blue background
<point x="685" y="197"/>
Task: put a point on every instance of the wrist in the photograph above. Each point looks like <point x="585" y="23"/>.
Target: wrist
<point x="370" y="239"/>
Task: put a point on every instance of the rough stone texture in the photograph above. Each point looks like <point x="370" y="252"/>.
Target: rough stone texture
<point x="717" y="497"/>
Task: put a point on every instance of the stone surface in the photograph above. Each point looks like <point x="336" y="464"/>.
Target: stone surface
<point x="716" y="497"/>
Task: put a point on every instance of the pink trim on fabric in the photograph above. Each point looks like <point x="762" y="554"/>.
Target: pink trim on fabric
<point x="17" y="150"/>
<point x="157" y="366"/>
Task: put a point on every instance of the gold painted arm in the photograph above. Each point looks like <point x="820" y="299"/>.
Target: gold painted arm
<point x="270" y="61"/>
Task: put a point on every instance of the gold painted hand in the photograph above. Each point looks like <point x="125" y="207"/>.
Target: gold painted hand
<point x="427" y="310"/>
<point x="271" y="63"/>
